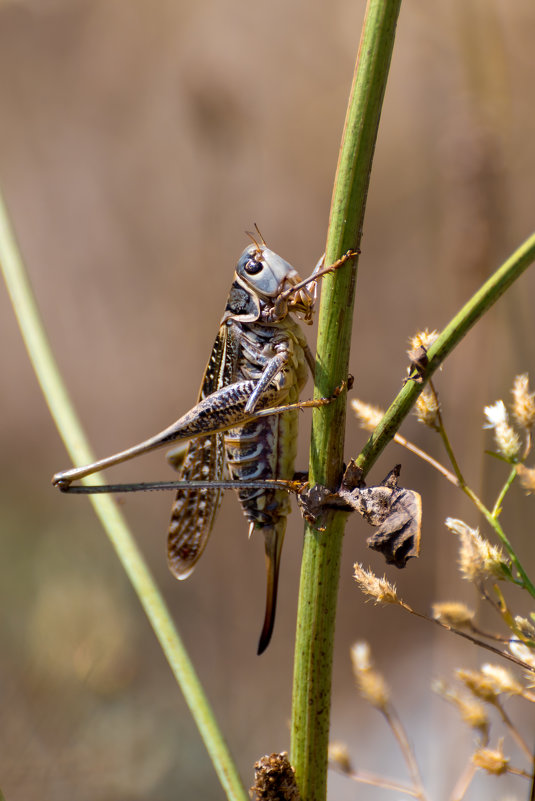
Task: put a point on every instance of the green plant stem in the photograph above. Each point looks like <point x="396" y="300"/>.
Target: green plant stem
<point x="493" y="522"/>
<point x="447" y="340"/>
<point x="112" y="520"/>
<point x="503" y="492"/>
<point x="458" y="479"/>
<point x="491" y="517"/>
<point x="321" y="555"/>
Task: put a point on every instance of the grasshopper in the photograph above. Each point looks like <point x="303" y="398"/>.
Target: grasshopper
<point x="244" y="425"/>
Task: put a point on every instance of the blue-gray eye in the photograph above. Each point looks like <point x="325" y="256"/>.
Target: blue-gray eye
<point x="252" y="267"/>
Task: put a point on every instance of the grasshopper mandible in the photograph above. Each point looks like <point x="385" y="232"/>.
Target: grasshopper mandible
<point x="244" y="425"/>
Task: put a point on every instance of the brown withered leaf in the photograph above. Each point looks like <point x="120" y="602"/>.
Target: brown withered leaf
<point x="418" y="364"/>
<point x="396" y="512"/>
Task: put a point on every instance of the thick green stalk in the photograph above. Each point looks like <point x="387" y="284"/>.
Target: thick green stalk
<point x="321" y="555"/>
<point x="111" y="518"/>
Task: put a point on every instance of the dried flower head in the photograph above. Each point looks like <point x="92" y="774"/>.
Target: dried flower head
<point x="527" y="477"/>
<point x="377" y="588"/>
<point x="427" y="407"/>
<point x="491" y="759"/>
<point x="371" y="684"/>
<point x="453" y="613"/>
<point x="481" y="686"/>
<point x="275" y="778"/>
<point x="507" y="440"/>
<point x="523" y="406"/>
<point x="368" y="416"/>
<point x="471" y="710"/>
<point x="423" y="339"/>
<point x="339" y="756"/>
<point x="525" y="627"/>
<point x="503" y="680"/>
<point x="478" y="559"/>
<point x="523" y="652"/>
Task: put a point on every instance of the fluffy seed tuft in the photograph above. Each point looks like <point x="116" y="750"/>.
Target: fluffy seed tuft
<point x="472" y="711"/>
<point x="507" y="440"/>
<point x="527" y="477"/>
<point x="503" y="680"/>
<point x="368" y="416"/>
<point x="491" y="759"/>
<point x="339" y="755"/>
<point x="526" y="628"/>
<point x="422" y="339"/>
<point x="523" y="652"/>
<point x="381" y="590"/>
<point x="523" y="406"/>
<point x="481" y="686"/>
<point x="478" y="559"/>
<point x="371" y="684"/>
<point x="453" y="613"/>
<point x="426" y="408"/>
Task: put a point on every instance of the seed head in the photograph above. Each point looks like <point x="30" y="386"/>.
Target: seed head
<point x="507" y="440"/>
<point x="478" y="559"/>
<point x="339" y="755"/>
<point x="483" y="687"/>
<point x="523" y="652"/>
<point x="427" y="407"/>
<point x="523" y="406"/>
<point x="503" y="680"/>
<point x="371" y="684"/>
<point x="423" y="339"/>
<point x="491" y="760"/>
<point x="453" y="613"/>
<point x="472" y="711"/>
<point x="525" y="627"/>
<point x="381" y="590"/>
<point x="527" y="477"/>
<point x="368" y="416"/>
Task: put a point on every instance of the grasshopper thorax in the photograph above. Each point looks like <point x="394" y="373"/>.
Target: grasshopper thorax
<point x="262" y="289"/>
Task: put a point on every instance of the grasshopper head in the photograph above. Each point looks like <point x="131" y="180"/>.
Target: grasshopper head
<point x="264" y="279"/>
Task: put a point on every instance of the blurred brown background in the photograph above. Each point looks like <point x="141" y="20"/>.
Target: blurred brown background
<point x="137" y="142"/>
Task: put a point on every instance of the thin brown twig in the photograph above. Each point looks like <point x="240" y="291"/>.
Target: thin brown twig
<point x="466" y="636"/>
<point x="515" y="734"/>
<point x="365" y="777"/>
<point x="410" y="446"/>
<point x="463" y="782"/>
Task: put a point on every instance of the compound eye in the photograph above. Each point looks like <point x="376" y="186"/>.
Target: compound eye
<point x="253" y="267"/>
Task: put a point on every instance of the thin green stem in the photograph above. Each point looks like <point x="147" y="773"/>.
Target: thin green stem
<point x="451" y="456"/>
<point x="112" y="521"/>
<point x="321" y="555"/>
<point x="503" y="492"/>
<point x="493" y="522"/>
<point x="459" y="481"/>
<point x="447" y="340"/>
<point x="491" y="517"/>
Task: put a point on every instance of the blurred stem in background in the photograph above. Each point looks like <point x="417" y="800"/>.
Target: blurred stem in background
<point x="108" y="512"/>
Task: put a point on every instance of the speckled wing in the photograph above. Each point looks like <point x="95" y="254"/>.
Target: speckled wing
<point x="194" y="511"/>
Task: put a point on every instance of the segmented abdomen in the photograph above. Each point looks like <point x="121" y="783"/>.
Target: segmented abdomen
<point x="259" y="450"/>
